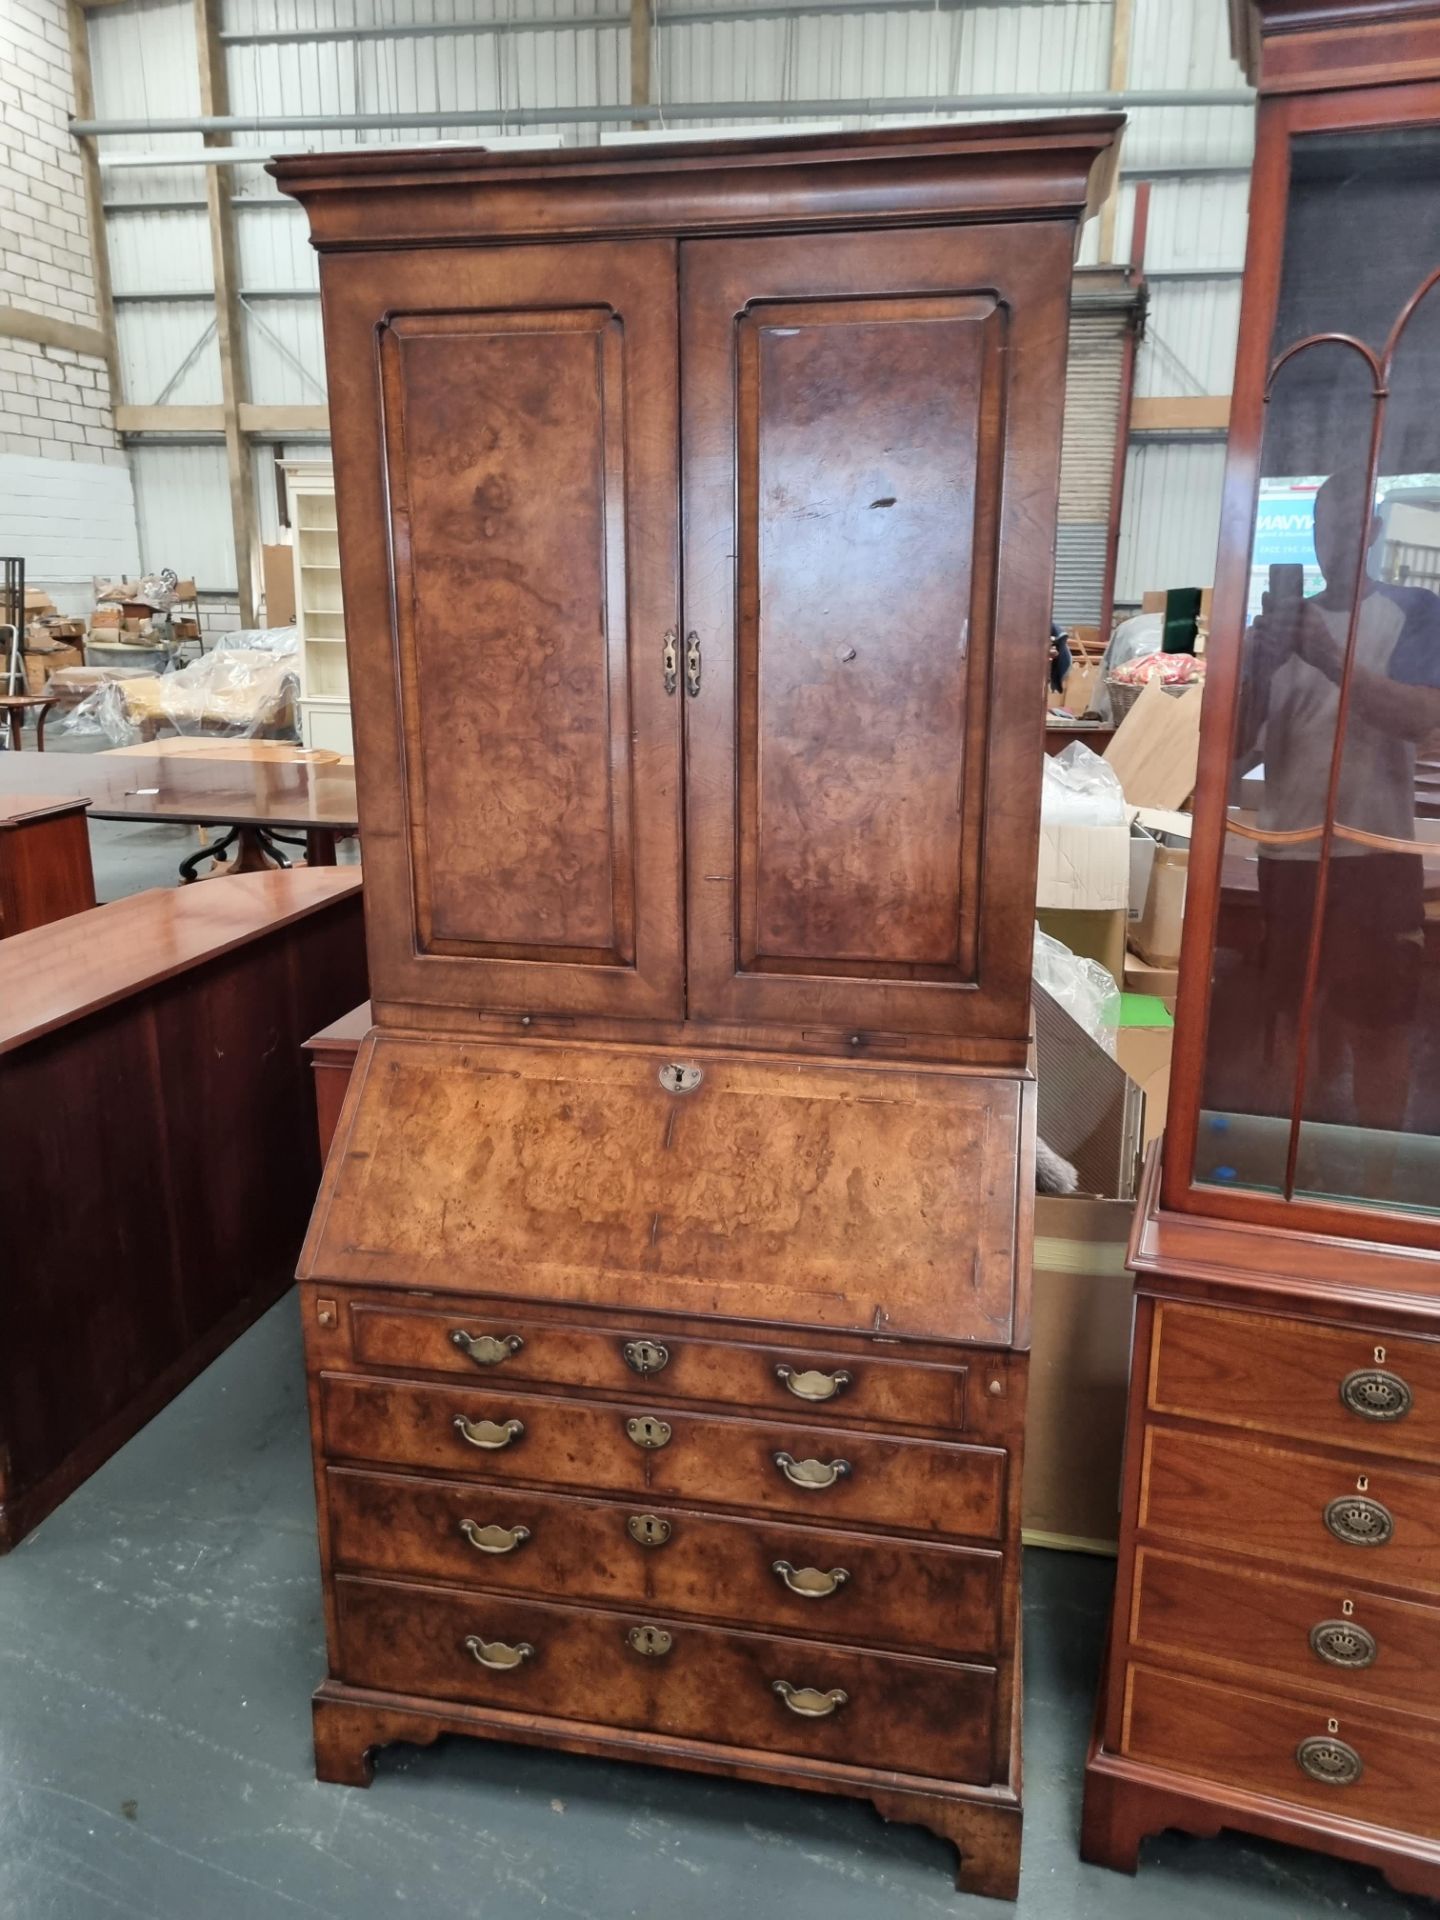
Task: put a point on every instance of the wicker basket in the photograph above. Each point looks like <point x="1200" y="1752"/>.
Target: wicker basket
<point x="1123" y="696"/>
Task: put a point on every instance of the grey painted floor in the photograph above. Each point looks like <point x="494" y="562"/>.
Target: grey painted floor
<point x="159" y="1637"/>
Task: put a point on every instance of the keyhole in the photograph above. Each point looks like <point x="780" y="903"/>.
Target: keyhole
<point x="1362" y="1485"/>
<point x="1379" y="1356"/>
<point x="1347" y="1607"/>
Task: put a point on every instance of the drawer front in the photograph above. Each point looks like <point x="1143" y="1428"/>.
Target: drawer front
<point x="924" y="1486"/>
<point x="487" y="1342"/>
<point x="1350" y="1388"/>
<point x="1258" y="1500"/>
<point x="850" y="1586"/>
<point x="1336" y="1642"/>
<point x="697" y="1683"/>
<point x="1250" y="1741"/>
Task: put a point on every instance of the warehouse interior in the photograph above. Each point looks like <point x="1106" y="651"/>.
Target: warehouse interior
<point x="719" y="958"/>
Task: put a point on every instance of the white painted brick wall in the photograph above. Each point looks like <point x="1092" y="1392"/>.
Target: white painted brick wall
<point x="66" y="501"/>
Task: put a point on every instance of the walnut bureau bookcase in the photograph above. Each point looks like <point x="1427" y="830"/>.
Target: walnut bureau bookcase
<point x="1274" y="1661"/>
<point x="666" y="1297"/>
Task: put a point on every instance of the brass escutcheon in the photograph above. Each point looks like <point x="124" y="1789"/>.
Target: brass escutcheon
<point x="676" y="1078"/>
<point x="1340" y="1643"/>
<point x="496" y="1655"/>
<point x="483" y="1348"/>
<point x="648" y="1529"/>
<point x="494" y="1539"/>
<point x="809" y="1582"/>
<point x="652" y="1641"/>
<point x="813" y="1386"/>
<point x="647" y="1431"/>
<point x="1333" y="1761"/>
<point x="809" y="1702"/>
<point x="811" y="1474"/>
<point x="489" y="1435"/>
<point x="645" y="1356"/>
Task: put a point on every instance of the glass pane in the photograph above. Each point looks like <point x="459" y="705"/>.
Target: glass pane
<point x="1341" y="593"/>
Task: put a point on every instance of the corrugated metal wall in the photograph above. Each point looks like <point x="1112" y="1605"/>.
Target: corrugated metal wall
<point x="143" y="55"/>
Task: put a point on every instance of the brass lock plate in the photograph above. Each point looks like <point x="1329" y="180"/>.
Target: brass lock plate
<point x="645" y="1356"/>
<point x="678" y="1078"/>
<point x="648" y="1529"/>
<point x="651" y="1641"/>
<point x="646" y="1431"/>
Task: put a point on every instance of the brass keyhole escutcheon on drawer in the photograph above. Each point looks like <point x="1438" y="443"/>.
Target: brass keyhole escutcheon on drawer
<point x="647" y="1431"/>
<point x="809" y="1702"/>
<point x="484" y="1348"/>
<point x="813" y="1385"/>
<point x="494" y="1539"/>
<point x="811" y="1474"/>
<point x="489" y="1435"/>
<point x="645" y="1356"/>
<point x="496" y="1655"/>
<point x="1340" y="1643"/>
<point x="648" y="1529"/>
<point x="810" y="1582"/>
<point x="1324" y="1757"/>
<point x="1358" y="1521"/>
<point x="1376" y="1394"/>
<point x="651" y="1641"/>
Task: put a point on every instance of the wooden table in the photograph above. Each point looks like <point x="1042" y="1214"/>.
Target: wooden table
<point x="45" y="870"/>
<point x="157" y="1151"/>
<point x="259" y="799"/>
<point x="15" y="706"/>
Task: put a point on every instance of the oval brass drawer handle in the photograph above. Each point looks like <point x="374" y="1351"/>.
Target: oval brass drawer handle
<point x="494" y="1539"/>
<point x="809" y="1582"/>
<point x="811" y="1474"/>
<point x="809" y="1702"/>
<point x="1376" y="1394"/>
<point x="1341" y="1643"/>
<point x="1323" y="1757"/>
<point x="1359" y="1522"/>
<point x="496" y="1655"/>
<point x="812" y="1385"/>
<point x="483" y="1348"/>
<point x="489" y="1434"/>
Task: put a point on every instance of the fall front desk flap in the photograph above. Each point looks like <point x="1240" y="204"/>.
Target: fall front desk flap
<point x="875" y="1199"/>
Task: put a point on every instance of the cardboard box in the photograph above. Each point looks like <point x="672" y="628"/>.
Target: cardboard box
<point x="40" y="666"/>
<point x="277" y="571"/>
<point x="1083" y="868"/>
<point x="1156" y="748"/>
<point x="1097" y="935"/>
<point x="1079" y="1374"/>
<point x="1141" y="977"/>
<point x="105" y="617"/>
<point x="1144" y="1043"/>
<point x="1155" y="934"/>
<point x="1079" y="689"/>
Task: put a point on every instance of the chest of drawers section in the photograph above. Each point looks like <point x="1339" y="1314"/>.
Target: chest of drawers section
<point x="1276" y="1641"/>
<point x="792" y="1553"/>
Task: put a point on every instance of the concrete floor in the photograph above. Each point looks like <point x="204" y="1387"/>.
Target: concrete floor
<point x="160" y="1635"/>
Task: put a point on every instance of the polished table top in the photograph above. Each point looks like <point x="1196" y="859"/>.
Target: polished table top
<point x="194" y="788"/>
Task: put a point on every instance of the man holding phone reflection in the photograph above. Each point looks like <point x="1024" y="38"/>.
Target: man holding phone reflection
<point x="1371" y="954"/>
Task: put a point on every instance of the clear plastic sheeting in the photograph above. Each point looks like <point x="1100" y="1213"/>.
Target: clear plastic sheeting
<point x="244" y="688"/>
<point x="1081" y="790"/>
<point x="1082" y="987"/>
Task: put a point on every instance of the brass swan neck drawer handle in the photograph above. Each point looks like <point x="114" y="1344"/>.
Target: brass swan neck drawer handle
<point x="490" y="1435"/>
<point x="813" y="1385"/>
<point x="496" y="1655"/>
<point x="1359" y="1522"/>
<point x="484" y="1348"/>
<point x="494" y="1539"/>
<point x="809" y="1702"/>
<point x="1324" y="1757"/>
<point x="811" y="1474"/>
<point x="809" y="1582"/>
<point x="1374" y="1393"/>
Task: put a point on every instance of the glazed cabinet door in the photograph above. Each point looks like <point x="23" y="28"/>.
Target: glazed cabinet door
<point x="505" y="434"/>
<point x="871" y="430"/>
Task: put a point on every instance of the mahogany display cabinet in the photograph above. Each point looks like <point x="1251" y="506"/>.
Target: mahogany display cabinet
<point x="666" y="1300"/>
<point x="1276" y="1638"/>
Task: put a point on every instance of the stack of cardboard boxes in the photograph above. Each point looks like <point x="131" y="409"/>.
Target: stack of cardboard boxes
<point x="126" y="613"/>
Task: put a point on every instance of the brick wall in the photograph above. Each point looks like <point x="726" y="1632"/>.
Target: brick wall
<point x="55" y="404"/>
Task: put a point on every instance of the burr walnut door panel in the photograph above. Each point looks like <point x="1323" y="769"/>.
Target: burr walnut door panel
<point x="870" y="436"/>
<point x="510" y="550"/>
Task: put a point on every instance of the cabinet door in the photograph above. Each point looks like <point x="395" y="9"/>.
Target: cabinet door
<point x="871" y="429"/>
<point x="505" y="436"/>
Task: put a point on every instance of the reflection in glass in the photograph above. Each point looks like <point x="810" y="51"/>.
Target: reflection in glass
<point x="1323" y="1057"/>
